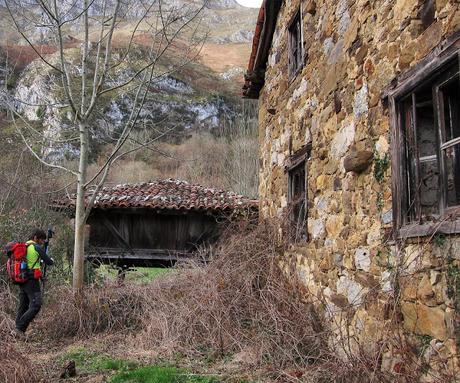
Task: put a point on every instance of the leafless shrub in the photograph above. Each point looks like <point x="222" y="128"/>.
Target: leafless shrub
<point x="6" y="314"/>
<point x="229" y="162"/>
<point x="241" y="301"/>
<point x="241" y="305"/>
<point x="111" y="308"/>
<point x="14" y="367"/>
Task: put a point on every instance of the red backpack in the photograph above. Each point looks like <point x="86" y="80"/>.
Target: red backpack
<point x="16" y="265"/>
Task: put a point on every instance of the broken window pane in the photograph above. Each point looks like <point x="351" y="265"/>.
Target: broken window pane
<point x="451" y="102"/>
<point x="298" y="48"/>
<point x="299" y="183"/>
<point x="429" y="187"/>
<point x="410" y="156"/>
<point x="426" y="133"/>
<point x="450" y="96"/>
<point x="422" y="169"/>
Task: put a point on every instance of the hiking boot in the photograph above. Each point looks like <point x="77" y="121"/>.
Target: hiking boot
<point x="19" y="335"/>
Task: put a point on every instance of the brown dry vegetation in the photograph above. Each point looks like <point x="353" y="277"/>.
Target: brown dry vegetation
<point x="227" y="159"/>
<point x="14" y="367"/>
<point x="240" y="307"/>
<point x="223" y="57"/>
<point x="205" y="159"/>
<point x="19" y="56"/>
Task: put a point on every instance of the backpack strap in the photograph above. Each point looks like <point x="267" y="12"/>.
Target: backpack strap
<point x="38" y="258"/>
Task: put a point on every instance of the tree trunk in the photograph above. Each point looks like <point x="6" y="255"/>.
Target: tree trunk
<point x="80" y="221"/>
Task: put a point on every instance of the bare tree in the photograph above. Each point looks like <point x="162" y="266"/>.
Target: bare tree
<point x="91" y="69"/>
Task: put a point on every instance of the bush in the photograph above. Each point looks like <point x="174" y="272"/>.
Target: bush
<point x="108" y="309"/>
<point x="240" y="301"/>
<point x="240" y="304"/>
<point x="14" y="367"/>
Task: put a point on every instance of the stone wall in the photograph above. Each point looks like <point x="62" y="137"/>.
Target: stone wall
<point x="371" y="288"/>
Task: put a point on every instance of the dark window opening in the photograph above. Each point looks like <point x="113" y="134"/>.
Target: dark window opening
<point x="449" y="97"/>
<point x="297" y="203"/>
<point x="295" y="45"/>
<point x="421" y="163"/>
<point x="430" y="130"/>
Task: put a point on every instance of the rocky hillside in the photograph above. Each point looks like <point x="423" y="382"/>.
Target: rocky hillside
<point x="229" y="27"/>
<point x="178" y="103"/>
<point x="201" y="95"/>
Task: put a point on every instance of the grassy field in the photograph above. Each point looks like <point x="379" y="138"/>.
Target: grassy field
<point x="158" y="374"/>
<point x="137" y="275"/>
<point x="127" y="371"/>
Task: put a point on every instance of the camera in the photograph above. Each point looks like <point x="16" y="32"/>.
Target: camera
<point x="50" y="233"/>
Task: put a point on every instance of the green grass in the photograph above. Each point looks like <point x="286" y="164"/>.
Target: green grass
<point x="139" y="275"/>
<point x="147" y="274"/>
<point x="127" y="371"/>
<point x="157" y="374"/>
<point x="89" y="361"/>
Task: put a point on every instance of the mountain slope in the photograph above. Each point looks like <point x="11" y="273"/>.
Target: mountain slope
<point x="229" y="28"/>
<point x="202" y="95"/>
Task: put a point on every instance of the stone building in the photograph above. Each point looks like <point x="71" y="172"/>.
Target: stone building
<point x="359" y="107"/>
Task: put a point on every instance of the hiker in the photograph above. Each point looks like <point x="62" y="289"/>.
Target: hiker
<point x="30" y="295"/>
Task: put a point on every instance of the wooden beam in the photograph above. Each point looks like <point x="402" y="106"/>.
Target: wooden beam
<point x="396" y="167"/>
<point x="136" y="254"/>
<point x="423" y="230"/>
<point x="298" y="157"/>
<point x="151" y="211"/>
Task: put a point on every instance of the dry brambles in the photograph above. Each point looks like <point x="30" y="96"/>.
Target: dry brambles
<point x="240" y="303"/>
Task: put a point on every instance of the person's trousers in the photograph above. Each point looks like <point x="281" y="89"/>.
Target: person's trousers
<point x="30" y="302"/>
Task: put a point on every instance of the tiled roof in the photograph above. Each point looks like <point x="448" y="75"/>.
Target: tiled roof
<point x="165" y="194"/>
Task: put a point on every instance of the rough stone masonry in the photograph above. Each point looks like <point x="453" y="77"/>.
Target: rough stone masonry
<point x="378" y="287"/>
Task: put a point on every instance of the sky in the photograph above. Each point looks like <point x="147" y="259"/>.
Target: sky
<point x="250" y="3"/>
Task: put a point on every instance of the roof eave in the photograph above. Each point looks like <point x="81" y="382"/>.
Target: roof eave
<point x="262" y="42"/>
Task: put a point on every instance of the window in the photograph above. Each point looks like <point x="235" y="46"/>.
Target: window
<point x="297" y="195"/>
<point x="428" y="124"/>
<point x="297" y="201"/>
<point x="295" y="45"/>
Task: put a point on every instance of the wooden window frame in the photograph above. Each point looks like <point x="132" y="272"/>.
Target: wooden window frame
<point x="297" y="163"/>
<point x="295" y="46"/>
<point x="439" y="60"/>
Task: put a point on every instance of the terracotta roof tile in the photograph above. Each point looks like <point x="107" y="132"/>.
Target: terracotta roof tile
<point x="165" y="194"/>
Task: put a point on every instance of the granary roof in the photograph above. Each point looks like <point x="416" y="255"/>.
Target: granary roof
<point x="261" y="43"/>
<point x="169" y="194"/>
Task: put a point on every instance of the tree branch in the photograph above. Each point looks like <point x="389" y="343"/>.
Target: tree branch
<point x="18" y="28"/>
<point x="18" y="130"/>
